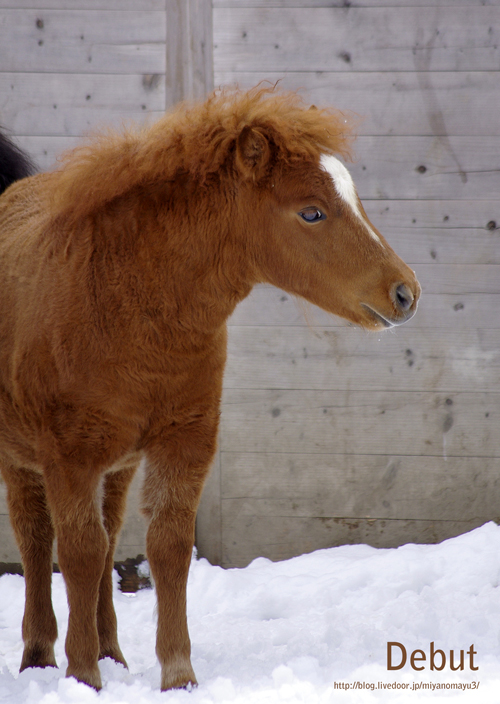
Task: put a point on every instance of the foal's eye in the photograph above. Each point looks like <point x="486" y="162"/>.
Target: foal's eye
<point x="312" y="215"/>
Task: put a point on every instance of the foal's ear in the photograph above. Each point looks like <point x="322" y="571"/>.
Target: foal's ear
<point x="252" y="153"/>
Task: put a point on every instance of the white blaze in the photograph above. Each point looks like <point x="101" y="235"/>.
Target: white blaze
<point x="344" y="185"/>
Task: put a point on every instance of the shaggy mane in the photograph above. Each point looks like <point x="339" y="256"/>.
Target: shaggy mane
<point x="198" y="139"/>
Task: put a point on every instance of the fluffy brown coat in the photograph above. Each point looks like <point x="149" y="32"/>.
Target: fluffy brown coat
<point x="118" y="272"/>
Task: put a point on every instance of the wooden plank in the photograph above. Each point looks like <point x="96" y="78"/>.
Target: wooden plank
<point x="393" y="103"/>
<point x="410" y="359"/>
<point x="450" y="38"/>
<point x="209" y="517"/>
<point x="447" y="232"/>
<point x="189" y="50"/>
<point x="361" y="486"/>
<point x="343" y="4"/>
<point x="440" y="216"/>
<point x="132" y="540"/>
<point x="408" y="168"/>
<point x="117" y="5"/>
<point x="8" y="548"/>
<point x="268" y="306"/>
<point x="58" y="104"/>
<point x="83" y="41"/>
<point x="45" y="150"/>
<point x="361" y="422"/>
<point x="246" y="538"/>
<point x="458" y="279"/>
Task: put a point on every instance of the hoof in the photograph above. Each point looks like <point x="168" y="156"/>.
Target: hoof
<point x="92" y="678"/>
<point x="37" y="655"/>
<point x="177" y="676"/>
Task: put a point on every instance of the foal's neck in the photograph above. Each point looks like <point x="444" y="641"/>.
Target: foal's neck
<point x="173" y="259"/>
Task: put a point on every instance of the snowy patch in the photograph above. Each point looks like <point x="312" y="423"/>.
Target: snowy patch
<point x="294" y="631"/>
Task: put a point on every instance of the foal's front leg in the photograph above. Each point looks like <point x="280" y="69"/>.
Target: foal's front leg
<point x="171" y="495"/>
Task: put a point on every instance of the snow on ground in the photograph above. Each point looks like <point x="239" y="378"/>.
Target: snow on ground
<point x="298" y="631"/>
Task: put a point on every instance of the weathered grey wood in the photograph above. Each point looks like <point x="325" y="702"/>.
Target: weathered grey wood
<point x="453" y="168"/>
<point x="424" y="423"/>
<point x="45" y="150"/>
<point x="345" y="4"/>
<point x="410" y="359"/>
<point x="132" y="538"/>
<point x="394" y="103"/>
<point x="446" y="232"/>
<point x="83" y="41"/>
<point x="424" y="75"/>
<point x="189" y="50"/>
<point x="8" y="548"/>
<point x="99" y="5"/>
<point x="388" y="487"/>
<point x="449" y="38"/>
<point x="209" y="516"/>
<point x="279" y="538"/>
<point x="458" y="279"/>
<point x="66" y="104"/>
<point x="413" y="216"/>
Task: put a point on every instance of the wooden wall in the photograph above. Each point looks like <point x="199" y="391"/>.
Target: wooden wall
<point x="331" y="435"/>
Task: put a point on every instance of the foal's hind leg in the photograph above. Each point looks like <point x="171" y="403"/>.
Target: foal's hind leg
<point x="114" y="501"/>
<point x="82" y="546"/>
<point x="34" y="533"/>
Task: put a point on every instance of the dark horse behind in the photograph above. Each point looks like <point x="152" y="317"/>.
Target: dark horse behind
<point x="14" y="163"/>
<point x="118" y="272"/>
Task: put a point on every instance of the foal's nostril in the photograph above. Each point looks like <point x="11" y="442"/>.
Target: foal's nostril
<point x="403" y="297"/>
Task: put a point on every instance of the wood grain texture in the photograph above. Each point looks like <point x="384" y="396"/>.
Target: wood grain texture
<point x="66" y="104"/>
<point x="427" y="168"/>
<point x="278" y="538"/>
<point x="460" y="103"/>
<point x="209" y="516"/>
<point x="330" y="435"/>
<point x="189" y="50"/>
<point x="415" y="423"/>
<point x="446" y="38"/>
<point x="378" y="487"/>
<point x="117" y="5"/>
<point x="83" y="41"/>
<point x="410" y="359"/>
<point x="341" y="4"/>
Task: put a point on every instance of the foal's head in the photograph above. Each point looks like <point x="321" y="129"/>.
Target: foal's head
<point x="311" y="236"/>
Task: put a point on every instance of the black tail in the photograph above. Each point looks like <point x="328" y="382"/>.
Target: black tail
<point x="14" y="163"/>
